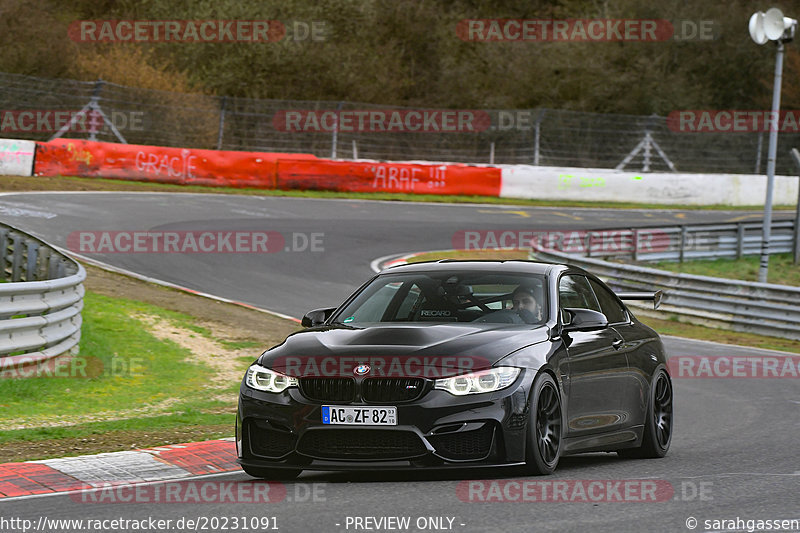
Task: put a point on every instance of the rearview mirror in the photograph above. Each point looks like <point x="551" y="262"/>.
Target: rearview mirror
<point x="317" y="317"/>
<point x="584" y="319"/>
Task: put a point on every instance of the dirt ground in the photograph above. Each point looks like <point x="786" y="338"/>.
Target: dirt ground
<point x="237" y="322"/>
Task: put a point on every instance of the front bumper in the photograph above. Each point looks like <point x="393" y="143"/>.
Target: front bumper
<point x="438" y="430"/>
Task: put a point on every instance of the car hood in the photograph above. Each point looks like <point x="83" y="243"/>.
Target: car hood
<point x="399" y="349"/>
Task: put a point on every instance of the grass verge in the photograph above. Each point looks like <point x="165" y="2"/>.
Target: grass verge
<point x="781" y="268"/>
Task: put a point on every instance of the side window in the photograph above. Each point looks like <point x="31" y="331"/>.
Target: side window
<point x="373" y="308"/>
<point x="574" y="291"/>
<point x="609" y="303"/>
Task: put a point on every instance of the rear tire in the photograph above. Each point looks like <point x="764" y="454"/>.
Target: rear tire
<point x="272" y="474"/>
<point x="544" y="439"/>
<point x="658" y="427"/>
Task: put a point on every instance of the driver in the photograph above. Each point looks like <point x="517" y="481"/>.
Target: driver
<point x="523" y="301"/>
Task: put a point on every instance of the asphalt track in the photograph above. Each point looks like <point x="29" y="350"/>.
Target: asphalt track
<point x="735" y="448"/>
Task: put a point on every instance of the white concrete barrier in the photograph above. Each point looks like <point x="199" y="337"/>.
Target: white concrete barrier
<point x="16" y="157"/>
<point x="587" y="184"/>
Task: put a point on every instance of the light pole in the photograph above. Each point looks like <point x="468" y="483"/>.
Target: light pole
<point x="771" y="26"/>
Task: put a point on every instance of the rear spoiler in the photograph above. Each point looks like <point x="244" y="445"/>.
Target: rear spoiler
<point x="654" y="296"/>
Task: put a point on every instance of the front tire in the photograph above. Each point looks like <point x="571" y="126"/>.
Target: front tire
<point x="658" y="427"/>
<point x="543" y="447"/>
<point x="272" y="474"/>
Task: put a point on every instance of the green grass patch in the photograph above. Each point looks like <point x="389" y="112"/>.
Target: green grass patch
<point x="257" y="347"/>
<point x="486" y="255"/>
<point x="122" y="369"/>
<point x="781" y="269"/>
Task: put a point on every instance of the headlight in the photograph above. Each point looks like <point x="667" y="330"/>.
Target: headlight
<point x="268" y="380"/>
<point x="477" y="382"/>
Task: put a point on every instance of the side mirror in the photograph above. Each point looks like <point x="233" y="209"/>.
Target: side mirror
<point x="584" y="319"/>
<point x="317" y="317"/>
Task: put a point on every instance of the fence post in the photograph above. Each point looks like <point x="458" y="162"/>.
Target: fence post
<point x="635" y="242"/>
<point x="355" y="150"/>
<point x="221" y="122"/>
<point x="491" y="153"/>
<point x="648" y="139"/>
<point x="537" y="136"/>
<point x="758" y="153"/>
<point x="98" y="86"/>
<point x="335" y="137"/>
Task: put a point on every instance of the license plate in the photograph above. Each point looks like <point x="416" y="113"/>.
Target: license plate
<point x="359" y="416"/>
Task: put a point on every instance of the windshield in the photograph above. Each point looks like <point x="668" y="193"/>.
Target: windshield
<point x="449" y="297"/>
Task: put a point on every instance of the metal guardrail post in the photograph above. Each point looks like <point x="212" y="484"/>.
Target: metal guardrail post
<point x="3" y="250"/>
<point x="796" y="245"/>
<point x="52" y="269"/>
<point x="635" y="243"/>
<point x="739" y="240"/>
<point x="33" y="255"/>
<point x="16" y="258"/>
<point x="684" y="237"/>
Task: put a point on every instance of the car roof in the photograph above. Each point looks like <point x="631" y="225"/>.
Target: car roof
<point x="516" y="266"/>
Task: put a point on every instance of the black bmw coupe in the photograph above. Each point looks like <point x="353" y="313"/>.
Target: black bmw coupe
<point x="456" y="364"/>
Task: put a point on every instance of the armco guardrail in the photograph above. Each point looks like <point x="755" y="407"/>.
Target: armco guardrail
<point x="762" y="308"/>
<point x="677" y="243"/>
<point x="41" y="298"/>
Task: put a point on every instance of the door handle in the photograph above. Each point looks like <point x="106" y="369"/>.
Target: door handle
<point x="617" y="343"/>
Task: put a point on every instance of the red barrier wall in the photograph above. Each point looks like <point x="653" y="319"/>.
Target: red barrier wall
<point x="70" y="157"/>
<point x="356" y="176"/>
